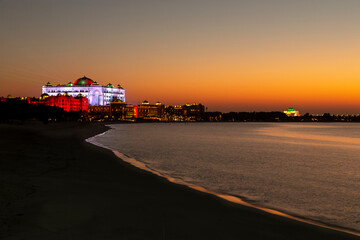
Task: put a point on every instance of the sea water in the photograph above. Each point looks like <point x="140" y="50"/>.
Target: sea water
<point x="310" y="170"/>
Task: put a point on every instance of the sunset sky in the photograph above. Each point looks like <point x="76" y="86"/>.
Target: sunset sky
<point x="255" y="55"/>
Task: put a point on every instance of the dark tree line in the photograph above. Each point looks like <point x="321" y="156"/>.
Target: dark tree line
<point x="19" y="110"/>
<point x="246" y="116"/>
<point x="276" y="117"/>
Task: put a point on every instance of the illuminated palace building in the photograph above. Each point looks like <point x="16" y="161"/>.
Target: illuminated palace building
<point x="292" y="113"/>
<point x="95" y="93"/>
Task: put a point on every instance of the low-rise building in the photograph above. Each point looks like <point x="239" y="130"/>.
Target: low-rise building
<point x="99" y="111"/>
<point x="122" y="111"/>
<point x="187" y="112"/>
<point x="194" y="112"/>
<point x="149" y="111"/>
<point x="291" y="112"/>
<point x="68" y="103"/>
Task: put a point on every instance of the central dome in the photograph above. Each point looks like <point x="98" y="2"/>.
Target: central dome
<point x="84" y="81"/>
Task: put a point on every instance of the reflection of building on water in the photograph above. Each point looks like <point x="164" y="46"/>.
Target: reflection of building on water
<point x="292" y="113"/>
<point x="96" y="94"/>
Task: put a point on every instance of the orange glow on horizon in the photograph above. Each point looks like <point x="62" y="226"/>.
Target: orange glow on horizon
<point x="233" y="56"/>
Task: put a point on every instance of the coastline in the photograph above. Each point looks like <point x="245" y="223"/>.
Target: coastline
<point x="58" y="186"/>
<point x="226" y="197"/>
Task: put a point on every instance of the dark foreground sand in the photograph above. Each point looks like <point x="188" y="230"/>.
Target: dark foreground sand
<point x="54" y="185"/>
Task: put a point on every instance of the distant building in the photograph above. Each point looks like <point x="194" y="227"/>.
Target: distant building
<point x="68" y="103"/>
<point x="95" y="93"/>
<point x="174" y="113"/>
<point x="118" y="110"/>
<point x="29" y="100"/>
<point x="194" y="112"/>
<point x="187" y="112"/>
<point x="115" y="110"/>
<point x="122" y="111"/>
<point x="292" y="113"/>
<point x="99" y="111"/>
<point x="149" y="111"/>
<point x="33" y="100"/>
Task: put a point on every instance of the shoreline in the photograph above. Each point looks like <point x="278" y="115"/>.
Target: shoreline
<point x="55" y="185"/>
<point x="226" y="197"/>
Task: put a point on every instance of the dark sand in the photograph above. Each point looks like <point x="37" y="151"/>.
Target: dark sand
<point x="54" y="185"/>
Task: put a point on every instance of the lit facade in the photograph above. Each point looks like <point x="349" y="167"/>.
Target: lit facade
<point x="116" y="110"/>
<point x="292" y="113"/>
<point x="68" y="103"/>
<point x="187" y="112"/>
<point x="123" y="111"/>
<point x="95" y="93"/>
<point x="148" y="111"/>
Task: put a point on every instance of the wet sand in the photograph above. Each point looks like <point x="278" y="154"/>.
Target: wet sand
<point x="54" y="185"/>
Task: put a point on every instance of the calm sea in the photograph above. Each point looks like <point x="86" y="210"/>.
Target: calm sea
<point x="306" y="169"/>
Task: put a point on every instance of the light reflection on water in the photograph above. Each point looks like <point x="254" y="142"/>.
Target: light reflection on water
<point x="311" y="170"/>
<point x="285" y="132"/>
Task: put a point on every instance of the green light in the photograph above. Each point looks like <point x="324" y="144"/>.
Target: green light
<point x="291" y="109"/>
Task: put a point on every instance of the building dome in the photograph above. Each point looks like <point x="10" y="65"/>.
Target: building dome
<point x="84" y="81"/>
<point x="118" y="101"/>
<point x="44" y="96"/>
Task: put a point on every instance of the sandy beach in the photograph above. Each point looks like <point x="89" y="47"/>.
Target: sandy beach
<point x="55" y="185"/>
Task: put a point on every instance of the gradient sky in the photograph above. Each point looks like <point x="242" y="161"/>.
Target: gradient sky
<point x="229" y="55"/>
